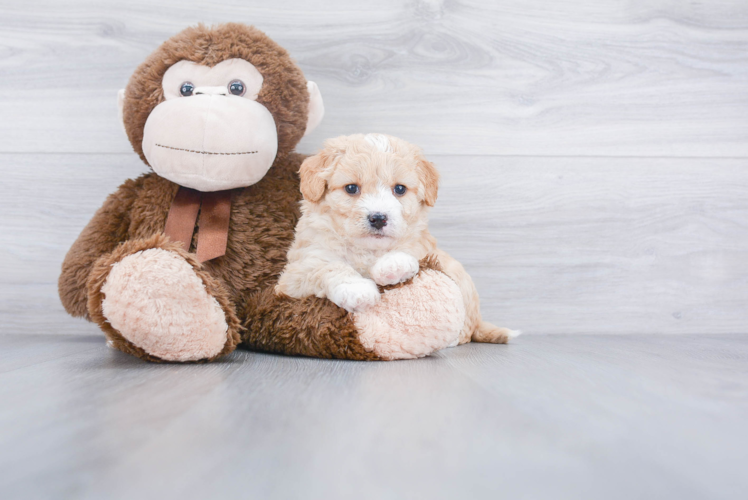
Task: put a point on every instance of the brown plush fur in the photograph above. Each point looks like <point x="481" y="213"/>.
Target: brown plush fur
<point x="263" y="216"/>
<point x="305" y="327"/>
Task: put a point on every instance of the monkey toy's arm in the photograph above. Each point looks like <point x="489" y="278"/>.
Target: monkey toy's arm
<point x="106" y="230"/>
<point x="412" y="319"/>
<point x="311" y="326"/>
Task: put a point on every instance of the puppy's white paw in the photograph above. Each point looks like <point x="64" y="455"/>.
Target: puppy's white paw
<point x="355" y="296"/>
<point x="393" y="268"/>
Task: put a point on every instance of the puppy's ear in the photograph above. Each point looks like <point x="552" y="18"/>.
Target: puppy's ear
<point x="429" y="180"/>
<point x="313" y="182"/>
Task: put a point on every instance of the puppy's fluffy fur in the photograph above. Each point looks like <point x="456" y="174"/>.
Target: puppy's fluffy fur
<point x="365" y="222"/>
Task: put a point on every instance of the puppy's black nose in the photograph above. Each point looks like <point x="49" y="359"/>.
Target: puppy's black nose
<point x="378" y="220"/>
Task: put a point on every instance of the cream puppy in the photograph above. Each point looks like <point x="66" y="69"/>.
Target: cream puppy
<point x="364" y="223"/>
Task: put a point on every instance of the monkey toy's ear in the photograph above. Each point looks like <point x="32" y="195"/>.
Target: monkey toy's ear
<point x="121" y="108"/>
<point x="316" y="107"/>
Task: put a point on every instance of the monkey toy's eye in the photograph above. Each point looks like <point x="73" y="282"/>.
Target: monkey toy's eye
<point x="186" y="89"/>
<point x="352" y="189"/>
<point x="237" y="87"/>
<point x="400" y="189"/>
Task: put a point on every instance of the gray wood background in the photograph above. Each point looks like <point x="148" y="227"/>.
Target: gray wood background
<point x="594" y="154"/>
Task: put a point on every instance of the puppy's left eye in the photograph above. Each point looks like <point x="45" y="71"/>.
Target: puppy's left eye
<point x="352" y="189"/>
<point x="400" y="189"/>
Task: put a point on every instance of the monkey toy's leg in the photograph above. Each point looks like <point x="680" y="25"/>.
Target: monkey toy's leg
<point x="153" y="300"/>
<point x="413" y="319"/>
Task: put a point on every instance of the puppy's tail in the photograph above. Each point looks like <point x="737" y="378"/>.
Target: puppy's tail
<point x="486" y="332"/>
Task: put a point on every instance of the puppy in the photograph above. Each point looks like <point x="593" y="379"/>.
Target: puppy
<point x="364" y="223"/>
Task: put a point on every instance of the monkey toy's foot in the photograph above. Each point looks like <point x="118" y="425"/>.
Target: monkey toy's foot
<point x="415" y="319"/>
<point x="160" y="302"/>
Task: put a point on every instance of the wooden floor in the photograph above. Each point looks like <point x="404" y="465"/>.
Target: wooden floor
<point x="552" y="417"/>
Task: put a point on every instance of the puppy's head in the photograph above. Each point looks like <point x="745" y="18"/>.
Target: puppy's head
<point x="375" y="189"/>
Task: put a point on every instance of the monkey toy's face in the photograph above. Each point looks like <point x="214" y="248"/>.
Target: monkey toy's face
<point x="214" y="124"/>
<point x="211" y="133"/>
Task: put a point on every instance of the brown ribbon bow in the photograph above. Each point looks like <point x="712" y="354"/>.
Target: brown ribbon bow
<point x="213" y="229"/>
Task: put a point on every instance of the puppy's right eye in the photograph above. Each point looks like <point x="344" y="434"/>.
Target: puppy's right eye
<point x="352" y="189"/>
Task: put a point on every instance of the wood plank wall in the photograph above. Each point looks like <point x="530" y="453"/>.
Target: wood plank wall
<point x="594" y="154"/>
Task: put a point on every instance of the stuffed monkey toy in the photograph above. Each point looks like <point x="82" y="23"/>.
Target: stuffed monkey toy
<point x="180" y="264"/>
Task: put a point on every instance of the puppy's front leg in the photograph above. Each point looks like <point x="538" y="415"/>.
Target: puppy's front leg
<point x="393" y="268"/>
<point x="349" y="290"/>
<point x="335" y="280"/>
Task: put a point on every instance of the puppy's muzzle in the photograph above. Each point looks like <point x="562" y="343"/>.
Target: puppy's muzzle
<point x="378" y="220"/>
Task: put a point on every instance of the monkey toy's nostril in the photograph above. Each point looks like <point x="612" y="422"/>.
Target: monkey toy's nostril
<point x="210" y="91"/>
<point x="378" y="220"/>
